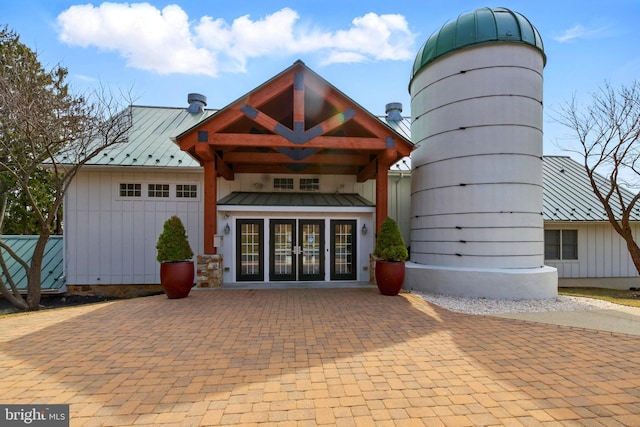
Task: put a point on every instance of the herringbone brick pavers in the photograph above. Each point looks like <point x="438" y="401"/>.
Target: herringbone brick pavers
<point x="313" y="357"/>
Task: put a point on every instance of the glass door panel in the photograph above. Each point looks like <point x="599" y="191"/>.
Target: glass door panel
<point x="311" y="259"/>
<point x="282" y="236"/>
<point x="249" y="250"/>
<point x="343" y="250"/>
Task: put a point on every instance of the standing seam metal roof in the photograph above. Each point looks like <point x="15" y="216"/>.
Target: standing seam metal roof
<point x="568" y="195"/>
<point x="240" y="198"/>
<point x="150" y="142"/>
<point x="52" y="280"/>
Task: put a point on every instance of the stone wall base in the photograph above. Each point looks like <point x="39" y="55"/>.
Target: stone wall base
<point x="372" y="269"/>
<point x="118" y="291"/>
<point x="209" y="271"/>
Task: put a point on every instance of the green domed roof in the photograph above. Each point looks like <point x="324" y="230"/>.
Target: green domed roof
<point x="486" y="25"/>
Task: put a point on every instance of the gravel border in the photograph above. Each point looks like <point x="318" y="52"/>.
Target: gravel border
<point x="486" y="306"/>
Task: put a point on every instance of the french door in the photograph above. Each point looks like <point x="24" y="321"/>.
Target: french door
<point x="250" y="250"/>
<point x="296" y="250"/>
<point x="343" y="250"/>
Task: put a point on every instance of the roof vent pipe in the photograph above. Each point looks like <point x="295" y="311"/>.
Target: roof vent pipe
<point x="197" y="102"/>
<point x="393" y="110"/>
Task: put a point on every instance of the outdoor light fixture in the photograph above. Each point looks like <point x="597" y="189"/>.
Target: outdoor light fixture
<point x="227" y="229"/>
<point x="364" y="229"/>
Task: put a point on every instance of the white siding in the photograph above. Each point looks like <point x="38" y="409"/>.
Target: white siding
<point x="328" y="184"/>
<point x="111" y="240"/>
<point x="602" y="253"/>
<point x="399" y="203"/>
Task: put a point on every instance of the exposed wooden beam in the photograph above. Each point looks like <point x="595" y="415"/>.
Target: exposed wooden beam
<point x="383" y="160"/>
<point x="282" y="169"/>
<point x="328" y="94"/>
<point x="368" y="172"/>
<point x="388" y="157"/>
<point x="275" y="88"/>
<point x="204" y="151"/>
<point x="278" y="158"/>
<point x="335" y="121"/>
<point x="224" y="170"/>
<point x="264" y="140"/>
<point x="261" y="118"/>
<point x="298" y="98"/>
<point x="188" y="142"/>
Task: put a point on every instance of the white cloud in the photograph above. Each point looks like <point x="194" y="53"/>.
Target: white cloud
<point x="166" y="41"/>
<point x="150" y="39"/>
<point x="579" y="31"/>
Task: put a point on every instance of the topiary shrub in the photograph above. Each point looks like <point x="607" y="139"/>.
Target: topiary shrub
<point x="389" y="242"/>
<point x="173" y="245"/>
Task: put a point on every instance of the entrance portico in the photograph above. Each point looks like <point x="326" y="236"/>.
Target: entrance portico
<point x="302" y="155"/>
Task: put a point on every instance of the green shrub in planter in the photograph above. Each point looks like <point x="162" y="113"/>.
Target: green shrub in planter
<point x="173" y="245"/>
<point x="389" y="242"/>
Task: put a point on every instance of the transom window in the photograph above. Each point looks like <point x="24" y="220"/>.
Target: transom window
<point x="130" y="190"/>
<point x="309" y="184"/>
<point x="283" y="183"/>
<point x="560" y="244"/>
<point x="186" y="191"/>
<point x="158" y="190"/>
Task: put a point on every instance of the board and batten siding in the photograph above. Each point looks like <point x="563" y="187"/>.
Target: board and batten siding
<point x="112" y="240"/>
<point x="602" y="253"/>
<point x="328" y="184"/>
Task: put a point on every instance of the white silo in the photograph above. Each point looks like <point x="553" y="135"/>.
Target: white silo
<point x="476" y="106"/>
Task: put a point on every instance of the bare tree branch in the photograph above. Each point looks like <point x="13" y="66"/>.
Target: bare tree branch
<point x="608" y="133"/>
<point x="47" y="130"/>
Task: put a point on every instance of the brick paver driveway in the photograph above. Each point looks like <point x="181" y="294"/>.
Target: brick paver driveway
<point x="312" y="357"/>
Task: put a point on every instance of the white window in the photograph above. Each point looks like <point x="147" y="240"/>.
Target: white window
<point x="309" y="184"/>
<point x="158" y="190"/>
<point x="560" y="244"/>
<point x="283" y="183"/>
<point x="186" y="191"/>
<point x="130" y="190"/>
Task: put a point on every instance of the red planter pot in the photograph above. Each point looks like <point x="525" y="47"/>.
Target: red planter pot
<point x="176" y="278"/>
<point x="389" y="276"/>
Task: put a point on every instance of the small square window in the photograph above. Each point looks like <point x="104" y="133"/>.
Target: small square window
<point x="560" y="244"/>
<point x="130" y="190"/>
<point x="283" y="183"/>
<point x="158" y="190"/>
<point x="309" y="184"/>
<point x="186" y="191"/>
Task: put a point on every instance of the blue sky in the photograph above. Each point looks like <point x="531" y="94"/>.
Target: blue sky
<point x="162" y="50"/>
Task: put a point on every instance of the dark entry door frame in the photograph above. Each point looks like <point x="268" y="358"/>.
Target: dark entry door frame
<point x="296" y="250"/>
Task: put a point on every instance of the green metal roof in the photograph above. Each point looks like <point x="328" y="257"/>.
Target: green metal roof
<point x="485" y="25"/>
<point x="568" y="195"/>
<point x="150" y="142"/>
<point x="239" y="198"/>
<point x="52" y="266"/>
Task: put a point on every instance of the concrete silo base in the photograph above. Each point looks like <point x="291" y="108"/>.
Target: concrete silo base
<point x="512" y="284"/>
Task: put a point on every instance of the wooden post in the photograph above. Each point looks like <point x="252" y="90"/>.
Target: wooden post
<point x="382" y="194"/>
<point x="384" y="161"/>
<point x="210" y="206"/>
